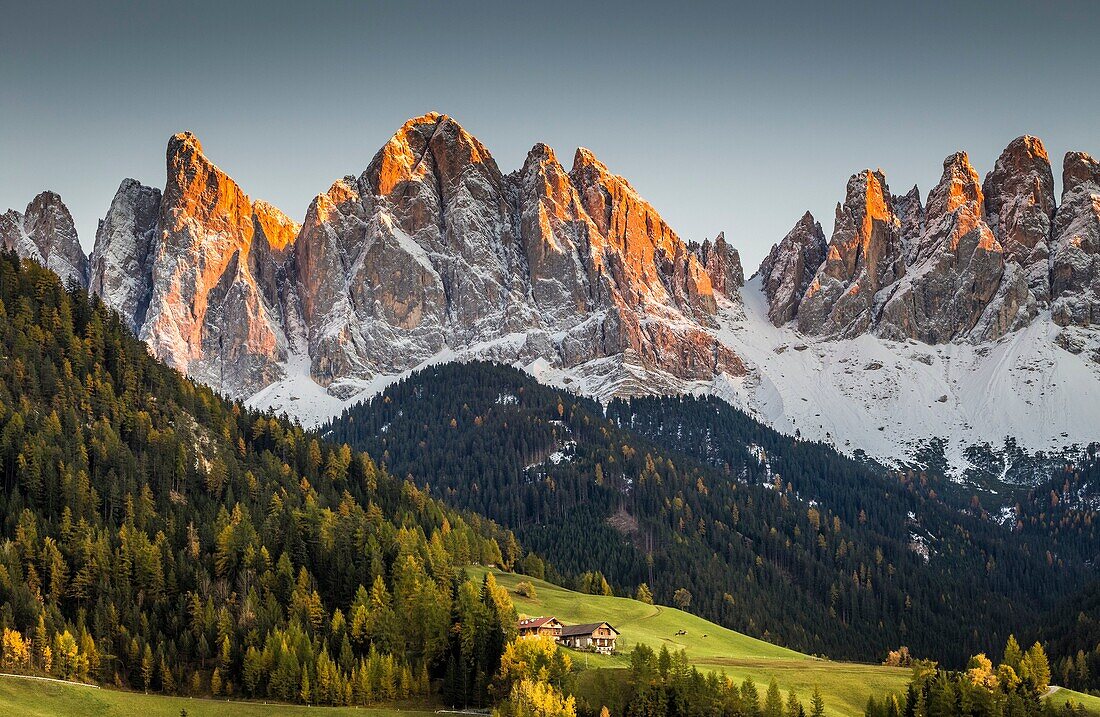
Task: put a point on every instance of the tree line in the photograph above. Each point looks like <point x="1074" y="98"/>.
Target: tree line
<point x="158" y="537"/>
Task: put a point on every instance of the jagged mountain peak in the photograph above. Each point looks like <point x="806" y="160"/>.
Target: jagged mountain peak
<point x="1020" y="207"/>
<point x="279" y="229"/>
<point x="45" y="232"/>
<point x="124" y="241"/>
<point x="789" y="268"/>
<point x="184" y="140"/>
<point x="864" y="254"/>
<point x="542" y="152"/>
<point x="588" y="170"/>
<point x="1075" y="251"/>
<point x="432" y="254"/>
<point x="959" y="185"/>
<point x="585" y="157"/>
<point x="433" y="132"/>
<point x="1079" y="168"/>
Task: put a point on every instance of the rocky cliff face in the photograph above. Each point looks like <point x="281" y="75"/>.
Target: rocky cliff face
<point x="433" y="254"/>
<point x="45" y="232"/>
<point x="790" y="268"/>
<point x="957" y="283"/>
<point x="864" y="255"/>
<point x="1019" y="207"/>
<point x="431" y="251"/>
<point x="196" y="271"/>
<point x="1075" y="258"/>
<point x="432" y="248"/>
<point x="121" y="270"/>
<point x="974" y="264"/>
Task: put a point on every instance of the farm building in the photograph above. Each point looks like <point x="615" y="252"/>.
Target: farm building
<point x="549" y="626"/>
<point x="597" y="636"/>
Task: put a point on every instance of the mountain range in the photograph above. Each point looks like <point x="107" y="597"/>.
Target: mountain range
<point x="960" y="320"/>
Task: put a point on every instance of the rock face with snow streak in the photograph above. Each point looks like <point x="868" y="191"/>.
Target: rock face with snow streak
<point x="433" y="254"/>
<point x="864" y="255"/>
<point x="790" y="267"/>
<point x="1075" y="258"/>
<point x="723" y="265"/>
<point x="433" y="248"/>
<point x="199" y="272"/>
<point x="1019" y="208"/>
<point x="958" y="283"/>
<point x="124" y="242"/>
<point x="910" y="213"/>
<point x="972" y="265"/>
<point x="46" y="234"/>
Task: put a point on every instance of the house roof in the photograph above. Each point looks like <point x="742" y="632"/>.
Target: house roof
<point x="536" y="622"/>
<point x="586" y="629"/>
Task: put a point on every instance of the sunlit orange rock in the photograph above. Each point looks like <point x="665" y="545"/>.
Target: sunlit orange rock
<point x="215" y="308"/>
<point x="958" y="285"/>
<point x="864" y="255"/>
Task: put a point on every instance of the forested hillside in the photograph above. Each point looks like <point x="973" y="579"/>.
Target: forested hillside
<point x="764" y="533"/>
<point x="158" y="537"/>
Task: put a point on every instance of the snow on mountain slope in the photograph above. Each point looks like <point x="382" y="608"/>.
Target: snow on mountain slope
<point x="888" y="397"/>
<point x="913" y="329"/>
<point x="884" y="397"/>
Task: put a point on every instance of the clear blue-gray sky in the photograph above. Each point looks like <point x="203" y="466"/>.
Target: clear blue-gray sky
<point x="725" y="115"/>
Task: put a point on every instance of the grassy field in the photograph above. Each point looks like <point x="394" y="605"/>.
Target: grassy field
<point x="844" y="685"/>
<point x="1092" y="704"/>
<point x="36" y="698"/>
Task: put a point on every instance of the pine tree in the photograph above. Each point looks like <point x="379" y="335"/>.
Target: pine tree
<point x="794" y="707"/>
<point x="773" y="700"/>
<point x="304" y="692"/>
<point x="147" y="668"/>
<point x="1038" y="668"/>
<point x="817" y="703"/>
<point x="1013" y="656"/>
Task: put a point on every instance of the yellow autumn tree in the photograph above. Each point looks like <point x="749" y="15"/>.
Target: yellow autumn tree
<point x="536" y="659"/>
<point x="530" y="698"/>
<point x="16" y="651"/>
<point x="980" y="672"/>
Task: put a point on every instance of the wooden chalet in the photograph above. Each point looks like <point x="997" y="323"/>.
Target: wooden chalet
<point x="548" y="626"/>
<point x="595" y="636"/>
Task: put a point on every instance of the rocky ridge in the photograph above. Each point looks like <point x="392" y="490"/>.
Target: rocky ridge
<point x="45" y="233"/>
<point x="432" y="253"/>
<point x="979" y="261"/>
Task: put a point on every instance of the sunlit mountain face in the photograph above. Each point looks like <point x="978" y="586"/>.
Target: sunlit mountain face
<point x="946" y="324"/>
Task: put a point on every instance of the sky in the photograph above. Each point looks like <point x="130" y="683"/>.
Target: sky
<point x="726" y="116"/>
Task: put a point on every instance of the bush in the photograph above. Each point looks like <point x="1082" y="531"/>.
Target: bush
<point x="526" y="589"/>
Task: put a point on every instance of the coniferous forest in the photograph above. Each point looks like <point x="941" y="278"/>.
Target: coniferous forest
<point x="770" y="535"/>
<point x="157" y="537"/>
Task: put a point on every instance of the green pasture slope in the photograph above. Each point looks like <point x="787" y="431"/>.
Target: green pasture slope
<point x="844" y="685"/>
<point x="38" y="698"/>
<point x="1061" y="696"/>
